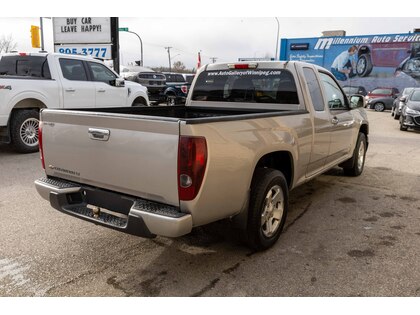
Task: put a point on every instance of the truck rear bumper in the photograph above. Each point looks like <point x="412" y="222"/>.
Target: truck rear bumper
<point x="116" y="211"/>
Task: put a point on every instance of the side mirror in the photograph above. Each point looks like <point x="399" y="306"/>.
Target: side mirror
<point x="403" y="99"/>
<point x="357" y="101"/>
<point x="118" y="82"/>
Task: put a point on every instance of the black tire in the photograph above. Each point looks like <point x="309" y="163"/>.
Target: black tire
<point x="396" y="116"/>
<point x="265" y="181"/>
<point x="139" y="102"/>
<point x="364" y="65"/>
<point x="402" y="127"/>
<point x="24" y="130"/>
<point x="379" y="107"/>
<point x="170" y="100"/>
<point x="355" y="165"/>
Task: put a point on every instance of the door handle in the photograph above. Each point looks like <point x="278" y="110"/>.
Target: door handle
<point x="101" y="90"/>
<point x="99" y="134"/>
<point x="334" y="120"/>
<point x="70" y="90"/>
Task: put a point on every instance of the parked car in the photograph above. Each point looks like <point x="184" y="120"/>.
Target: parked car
<point x="381" y="55"/>
<point x="155" y="82"/>
<point x="189" y="77"/>
<point x="30" y="82"/>
<point x="176" y="88"/>
<point x="382" y="91"/>
<point x="410" y="113"/>
<point x="351" y="90"/>
<point x="398" y="104"/>
<point x="243" y="140"/>
<point x="380" y="104"/>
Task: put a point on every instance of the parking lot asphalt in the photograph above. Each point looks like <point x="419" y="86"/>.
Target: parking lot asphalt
<point x="344" y="236"/>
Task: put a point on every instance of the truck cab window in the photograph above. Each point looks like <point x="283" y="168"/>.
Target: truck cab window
<point x="314" y="89"/>
<point x="73" y="69"/>
<point x="100" y="73"/>
<point x="271" y="86"/>
<point x="334" y="97"/>
<point x="25" y="66"/>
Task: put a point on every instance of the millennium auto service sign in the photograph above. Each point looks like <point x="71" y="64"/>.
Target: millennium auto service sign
<point x="83" y="35"/>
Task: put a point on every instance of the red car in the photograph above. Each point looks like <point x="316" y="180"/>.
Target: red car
<point x="381" y="55"/>
<point x="382" y="92"/>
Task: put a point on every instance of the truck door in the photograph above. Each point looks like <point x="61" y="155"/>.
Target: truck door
<point x="322" y="125"/>
<point x="107" y="95"/>
<point x="78" y="91"/>
<point x="341" y="119"/>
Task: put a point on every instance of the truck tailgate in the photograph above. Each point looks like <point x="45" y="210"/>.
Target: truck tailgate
<point x="124" y="153"/>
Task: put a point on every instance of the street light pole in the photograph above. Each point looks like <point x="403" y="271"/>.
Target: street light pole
<point x="277" y="40"/>
<point x="125" y="29"/>
<point x="141" y="46"/>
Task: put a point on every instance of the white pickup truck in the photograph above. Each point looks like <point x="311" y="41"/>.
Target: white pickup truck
<point x="30" y="82"/>
<point x="248" y="134"/>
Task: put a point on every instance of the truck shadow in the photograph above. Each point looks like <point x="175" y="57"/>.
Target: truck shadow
<point x="322" y="213"/>
<point x="193" y="264"/>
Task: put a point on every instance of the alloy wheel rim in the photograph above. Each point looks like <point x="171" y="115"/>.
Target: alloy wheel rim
<point x="29" y="132"/>
<point x="273" y="211"/>
<point x="360" y="66"/>
<point x="379" y="107"/>
<point x="361" y="156"/>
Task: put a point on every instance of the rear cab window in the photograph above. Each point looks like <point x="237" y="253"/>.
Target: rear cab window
<point x="25" y="66"/>
<point x="258" y="86"/>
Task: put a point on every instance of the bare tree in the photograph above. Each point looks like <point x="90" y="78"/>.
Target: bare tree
<point x="179" y="66"/>
<point x="7" y="44"/>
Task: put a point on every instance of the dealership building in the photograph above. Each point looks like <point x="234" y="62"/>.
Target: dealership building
<point x="386" y="60"/>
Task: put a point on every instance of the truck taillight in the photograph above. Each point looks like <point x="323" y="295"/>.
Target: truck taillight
<point x="41" y="151"/>
<point x="184" y="89"/>
<point x="192" y="160"/>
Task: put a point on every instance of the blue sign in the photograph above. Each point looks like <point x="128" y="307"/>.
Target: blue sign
<point x="387" y="60"/>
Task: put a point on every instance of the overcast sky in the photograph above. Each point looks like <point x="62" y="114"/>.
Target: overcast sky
<point x="225" y="38"/>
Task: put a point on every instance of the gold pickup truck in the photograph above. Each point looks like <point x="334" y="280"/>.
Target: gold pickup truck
<point x="248" y="134"/>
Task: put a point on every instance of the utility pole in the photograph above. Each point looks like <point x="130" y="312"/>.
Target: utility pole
<point x="169" y="56"/>
<point x="213" y="59"/>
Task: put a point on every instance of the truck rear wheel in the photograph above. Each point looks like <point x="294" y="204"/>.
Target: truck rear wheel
<point x="24" y="130"/>
<point x="354" y="167"/>
<point x="268" y="208"/>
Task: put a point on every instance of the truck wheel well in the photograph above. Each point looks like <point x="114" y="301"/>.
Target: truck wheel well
<point x="30" y="103"/>
<point x="282" y="161"/>
<point x="365" y="130"/>
<point x="363" y="50"/>
<point x="139" y="100"/>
